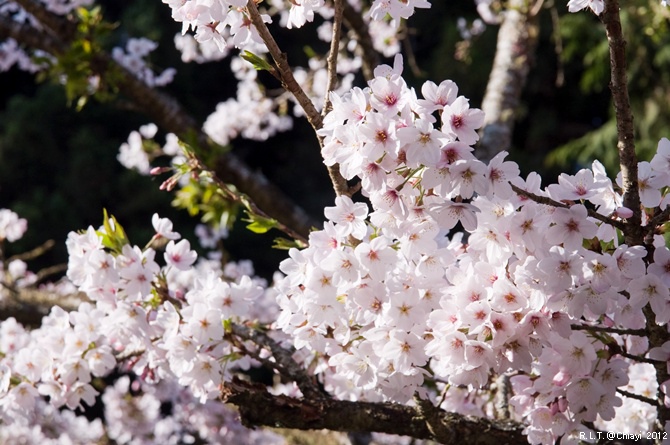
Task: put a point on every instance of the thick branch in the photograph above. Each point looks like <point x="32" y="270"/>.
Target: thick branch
<point x="517" y="39"/>
<point x="28" y="306"/>
<point x="169" y="115"/>
<point x="624" y="121"/>
<point x="259" y="408"/>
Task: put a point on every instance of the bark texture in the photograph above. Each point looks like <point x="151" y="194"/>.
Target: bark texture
<point x="259" y="408"/>
<point x="517" y="39"/>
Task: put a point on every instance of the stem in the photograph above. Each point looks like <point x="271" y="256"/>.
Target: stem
<point x="550" y="202"/>
<point x="284" y="69"/>
<point x="332" y="55"/>
<point x="291" y="85"/>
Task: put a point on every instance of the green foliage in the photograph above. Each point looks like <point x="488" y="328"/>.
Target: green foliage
<point x="259" y="224"/>
<point x="205" y="199"/>
<point x="114" y="237"/>
<point x="259" y="63"/>
<point x="646" y="30"/>
<point x="74" y="67"/>
<point x="286" y="244"/>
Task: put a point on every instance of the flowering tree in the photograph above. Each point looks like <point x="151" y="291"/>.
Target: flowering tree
<point x="444" y="298"/>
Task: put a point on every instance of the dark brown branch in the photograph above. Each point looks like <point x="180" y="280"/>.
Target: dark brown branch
<point x="259" y="408"/>
<point x="34" y="253"/>
<point x="291" y="85"/>
<point x="581" y="327"/>
<point x="550" y="202"/>
<point x="28" y="305"/>
<point x="283" y="68"/>
<point x="652" y="402"/>
<point x="517" y="39"/>
<point x="27" y="35"/>
<point x="624" y="121"/>
<point x="285" y="364"/>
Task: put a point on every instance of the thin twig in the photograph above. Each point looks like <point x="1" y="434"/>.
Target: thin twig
<point x="581" y="327"/>
<point x="291" y="85"/>
<point x="551" y="202"/>
<point x="359" y="28"/>
<point x="280" y="59"/>
<point x="652" y="402"/>
<point x="332" y="55"/>
<point x="285" y="364"/>
<point x="34" y="253"/>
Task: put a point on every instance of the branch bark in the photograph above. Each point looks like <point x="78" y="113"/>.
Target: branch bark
<point x="291" y="85"/>
<point x="517" y="39"/>
<point x="259" y="408"/>
<point x="634" y="234"/>
<point x="166" y="112"/>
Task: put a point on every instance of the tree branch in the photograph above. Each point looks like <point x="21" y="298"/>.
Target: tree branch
<point x="283" y="68"/>
<point x="624" y="121"/>
<point x="550" y="202"/>
<point x="285" y="363"/>
<point x="332" y="55"/>
<point x="517" y="39"/>
<point x="581" y="327"/>
<point x="291" y="85"/>
<point x="259" y="408"/>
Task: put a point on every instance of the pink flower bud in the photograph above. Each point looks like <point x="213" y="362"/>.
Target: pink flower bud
<point x="159" y="170"/>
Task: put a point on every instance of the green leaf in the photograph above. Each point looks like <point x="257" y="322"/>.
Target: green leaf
<point x="257" y="62"/>
<point x="260" y="224"/>
<point x="286" y="244"/>
<point x="227" y="325"/>
<point x="114" y="237"/>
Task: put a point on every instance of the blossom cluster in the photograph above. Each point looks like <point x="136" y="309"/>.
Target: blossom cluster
<point x="390" y="298"/>
<point x="132" y="57"/>
<point x="162" y="323"/>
